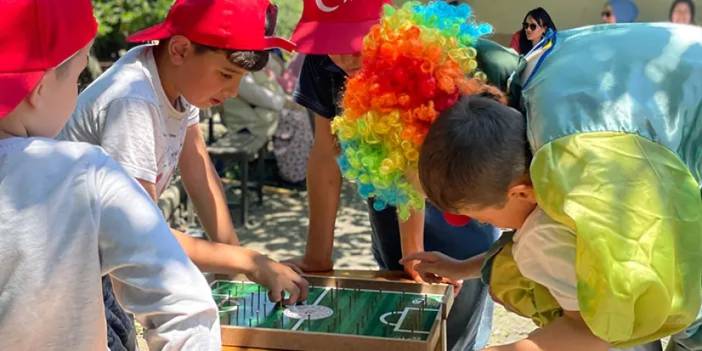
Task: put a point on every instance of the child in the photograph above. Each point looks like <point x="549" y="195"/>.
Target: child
<point x="475" y="162"/>
<point x="332" y="41"/>
<point x="144" y="112"/>
<point x="70" y="214"/>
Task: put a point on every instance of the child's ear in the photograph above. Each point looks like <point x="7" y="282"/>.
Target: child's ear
<point x="34" y="99"/>
<point x="522" y="191"/>
<point x="179" y="47"/>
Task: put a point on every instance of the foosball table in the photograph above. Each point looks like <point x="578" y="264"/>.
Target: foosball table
<point x="344" y="311"/>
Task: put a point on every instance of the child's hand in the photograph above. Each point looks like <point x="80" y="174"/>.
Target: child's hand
<point x="434" y="265"/>
<point x="409" y="266"/>
<point x="279" y="278"/>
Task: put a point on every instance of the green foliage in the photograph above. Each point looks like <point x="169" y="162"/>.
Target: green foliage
<point x="289" y="12"/>
<point x="119" y="18"/>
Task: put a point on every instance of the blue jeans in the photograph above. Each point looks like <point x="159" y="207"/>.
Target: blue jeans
<point x="470" y="319"/>
<point x="121" y="334"/>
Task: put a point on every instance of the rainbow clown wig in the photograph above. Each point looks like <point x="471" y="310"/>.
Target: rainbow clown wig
<point x="416" y="63"/>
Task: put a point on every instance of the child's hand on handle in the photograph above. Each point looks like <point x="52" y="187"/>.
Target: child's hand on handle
<point x="419" y="277"/>
<point x="433" y="266"/>
<point x="279" y="278"/>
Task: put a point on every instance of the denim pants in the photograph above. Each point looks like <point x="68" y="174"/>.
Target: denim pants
<point x="469" y="321"/>
<point x="121" y="335"/>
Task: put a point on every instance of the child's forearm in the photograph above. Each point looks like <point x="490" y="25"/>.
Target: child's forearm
<point x="470" y="268"/>
<point x="205" y="188"/>
<point x="412" y="233"/>
<point x="323" y="194"/>
<point x="217" y="257"/>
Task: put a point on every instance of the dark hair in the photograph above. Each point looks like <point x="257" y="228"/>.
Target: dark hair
<point x="250" y="60"/>
<point x="543" y="19"/>
<point x="689" y="4"/>
<point x="472" y="153"/>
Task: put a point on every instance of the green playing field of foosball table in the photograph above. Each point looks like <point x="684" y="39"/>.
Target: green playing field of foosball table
<point x="344" y="311"/>
<point x="330" y="309"/>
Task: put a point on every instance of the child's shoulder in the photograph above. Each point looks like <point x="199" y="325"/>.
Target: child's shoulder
<point x="44" y="164"/>
<point x="129" y="77"/>
<point x="52" y="153"/>
<point x="540" y="225"/>
<point x="68" y="149"/>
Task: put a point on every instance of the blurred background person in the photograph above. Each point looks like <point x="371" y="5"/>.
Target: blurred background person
<point x="682" y="12"/>
<point x="534" y="26"/>
<point x="620" y="11"/>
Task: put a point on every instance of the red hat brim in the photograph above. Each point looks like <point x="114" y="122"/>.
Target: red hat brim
<point x="155" y="32"/>
<point x="162" y="31"/>
<point x="278" y="42"/>
<point x="325" y="38"/>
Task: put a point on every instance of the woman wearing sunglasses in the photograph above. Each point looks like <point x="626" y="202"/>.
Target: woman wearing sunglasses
<point x="619" y="11"/>
<point x="534" y="26"/>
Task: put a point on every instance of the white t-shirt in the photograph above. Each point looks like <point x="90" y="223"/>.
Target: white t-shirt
<point x="126" y="111"/>
<point x="69" y="215"/>
<point x="544" y="251"/>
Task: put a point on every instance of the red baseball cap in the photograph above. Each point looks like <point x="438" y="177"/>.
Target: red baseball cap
<point x="336" y="26"/>
<point x="224" y="24"/>
<point x="36" y="36"/>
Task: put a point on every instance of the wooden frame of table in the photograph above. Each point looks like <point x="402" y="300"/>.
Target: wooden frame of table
<point x="257" y="339"/>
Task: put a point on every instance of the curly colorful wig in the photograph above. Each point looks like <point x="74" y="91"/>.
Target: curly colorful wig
<point x="416" y="63"/>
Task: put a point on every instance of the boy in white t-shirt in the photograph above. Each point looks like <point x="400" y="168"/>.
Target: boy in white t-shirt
<point x="144" y="112"/>
<point x="69" y="214"/>
<point x="480" y="146"/>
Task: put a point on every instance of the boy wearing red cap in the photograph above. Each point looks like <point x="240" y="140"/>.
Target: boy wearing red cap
<point x="331" y="33"/>
<point x="70" y="214"/>
<point x="144" y="112"/>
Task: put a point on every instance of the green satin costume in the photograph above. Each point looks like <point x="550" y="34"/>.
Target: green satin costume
<point x="614" y="118"/>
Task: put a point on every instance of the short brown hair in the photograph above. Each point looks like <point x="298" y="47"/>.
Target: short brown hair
<point x="472" y="153"/>
<point x="249" y="60"/>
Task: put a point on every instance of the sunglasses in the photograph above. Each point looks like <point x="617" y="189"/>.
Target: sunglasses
<point x="531" y="26"/>
<point x="606" y="14"/>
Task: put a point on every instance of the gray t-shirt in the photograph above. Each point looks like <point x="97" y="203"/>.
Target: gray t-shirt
<point x="126" y="111"/>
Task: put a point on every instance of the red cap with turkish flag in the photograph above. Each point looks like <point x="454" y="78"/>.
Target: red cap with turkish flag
<point x="336" y="26"/>
<point x="223" y="24"/>
<point x="36" y="36"/>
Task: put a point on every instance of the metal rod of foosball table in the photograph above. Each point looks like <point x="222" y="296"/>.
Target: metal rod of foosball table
<point x="244" y="304"/>
<point x="252" y="302"/>
<point x="258" y="296"/>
